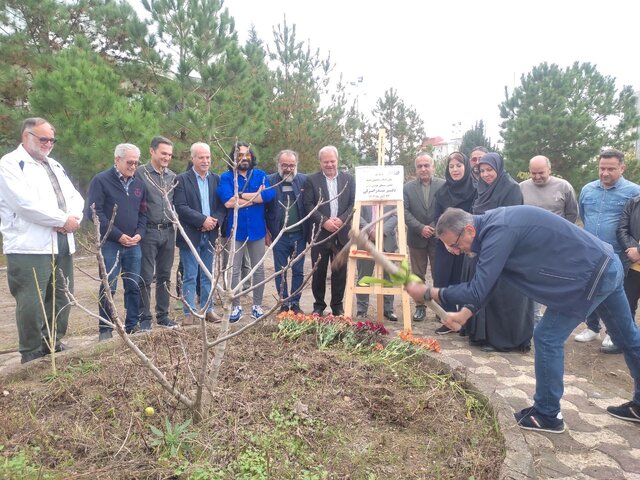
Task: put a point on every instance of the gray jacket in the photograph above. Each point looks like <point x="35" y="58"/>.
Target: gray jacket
<point x="417" y="213"/>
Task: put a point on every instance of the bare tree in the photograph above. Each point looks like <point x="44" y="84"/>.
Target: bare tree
<point x="205" y="370"/>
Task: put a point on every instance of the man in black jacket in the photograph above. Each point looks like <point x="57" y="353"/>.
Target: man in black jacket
<point x="118" y="189"/>
<point x="288" y="205"/>
<point x="628" y="234"/>
<point x="335" y="192"/>
<point x="201" y="221"/>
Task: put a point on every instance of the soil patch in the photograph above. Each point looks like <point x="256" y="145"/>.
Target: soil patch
<point x="282" y="410"/>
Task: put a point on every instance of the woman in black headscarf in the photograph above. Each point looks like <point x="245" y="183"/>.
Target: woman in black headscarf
<point x="506" y="321"/>
<point x="458" y="192"/>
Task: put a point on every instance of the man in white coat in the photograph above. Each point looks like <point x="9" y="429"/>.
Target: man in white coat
<point x="39" y="211"/>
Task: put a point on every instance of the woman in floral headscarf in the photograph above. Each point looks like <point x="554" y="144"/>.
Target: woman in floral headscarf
<point x="506" y="321"/>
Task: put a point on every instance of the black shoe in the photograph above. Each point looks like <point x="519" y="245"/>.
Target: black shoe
<point x="132" y="330"/>
<point x="27" y="357"/>
<point x="168" y="323"/>
<point x="338" y="312"/>
<point x="60" y="347"/>
<point x="362" y="315"/>
<point x="106" y="335"/>
<point x="443" y="330"/>
<point x="317" y="311"/>
<point x="389" y="315"/>
<point x="531" y="419"/>
<point x="295" y="308"/>
<point x="627" y="411"/>
<point x="420" y="314"/>
<point x="284" y="308"/>
<point x="488" y="348"/>
<point x="611" y="349"/>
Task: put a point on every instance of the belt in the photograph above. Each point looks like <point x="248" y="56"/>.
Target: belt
<point x="159" y="226"/>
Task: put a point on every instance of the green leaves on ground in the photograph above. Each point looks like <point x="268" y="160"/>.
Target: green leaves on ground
<point x="402" y="277"/>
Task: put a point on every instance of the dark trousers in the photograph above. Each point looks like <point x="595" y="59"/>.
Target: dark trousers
<point x="158" y="247"/>
<point x="447" y="270"/>
<point x="632" y="290"/>
<point x="321" y="255"/>
<point x="28" y="274"/>
<point x="289" y="246"/>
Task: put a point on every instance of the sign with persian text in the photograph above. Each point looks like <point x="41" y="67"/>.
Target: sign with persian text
<point x="379" y="183"/>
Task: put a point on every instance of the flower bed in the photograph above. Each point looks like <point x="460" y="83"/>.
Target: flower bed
<point x="330" y="330"/>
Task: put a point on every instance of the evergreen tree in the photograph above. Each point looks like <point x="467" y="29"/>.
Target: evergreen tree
<point x="568" y="115"/>
<point x="475" y="137"/>
<point x="301" y="82"/>
<point x="81" y="96"/>
<point x="215" y="97"/>
<point x="405" y="128"/>
<point x="33" y="31"/>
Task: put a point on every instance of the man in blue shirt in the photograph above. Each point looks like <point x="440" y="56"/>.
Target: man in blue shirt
<point x="248" y="188"/>
<point x="601" y="204"/>
<point x="555" y="263"/>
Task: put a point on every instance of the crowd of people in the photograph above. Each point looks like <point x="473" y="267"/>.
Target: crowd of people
<point x="476" y="210"/>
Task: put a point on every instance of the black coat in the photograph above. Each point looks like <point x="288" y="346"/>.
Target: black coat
<point x="628" y="232"/>
<point x="186" y="199"/>
<point x="315" y="191"/>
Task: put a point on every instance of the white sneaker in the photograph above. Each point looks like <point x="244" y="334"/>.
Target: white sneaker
<point x="607" y="343"/>
<point x="587" y="335"/>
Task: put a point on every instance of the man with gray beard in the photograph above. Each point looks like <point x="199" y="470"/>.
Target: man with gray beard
<point x="286" y="211"/>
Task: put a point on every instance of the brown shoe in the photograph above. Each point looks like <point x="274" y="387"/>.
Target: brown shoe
<point x="188" y="320"/>
<point x="212" y="317"/>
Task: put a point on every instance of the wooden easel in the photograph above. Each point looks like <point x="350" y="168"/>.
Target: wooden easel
<point x="354" y="254"/>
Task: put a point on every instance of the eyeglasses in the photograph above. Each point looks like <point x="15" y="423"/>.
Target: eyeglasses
<point x="288" y="165"/>
<point x="43" y="140"/>
<point x="132" y="163"/>
<point x="242" y="156"/>
<point x="456" y="244"/>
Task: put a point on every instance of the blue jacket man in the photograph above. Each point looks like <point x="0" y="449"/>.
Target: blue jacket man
<point x="555" y="263"/>
<point x="253" y="193"/>
<point x="201" y="213"/>
<point x="288" y="204"/>
<point x="118" y="187"/>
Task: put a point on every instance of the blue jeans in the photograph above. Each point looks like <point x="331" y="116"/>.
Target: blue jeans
<point x="593" y="321"/>
<point x="611" y="305"/>
<point x="190" y="274"/>
<point x="127" y="260"/>
<point x="290" y="245"/>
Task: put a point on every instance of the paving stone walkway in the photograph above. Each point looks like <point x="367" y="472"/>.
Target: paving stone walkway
<point x="594" y="445"/>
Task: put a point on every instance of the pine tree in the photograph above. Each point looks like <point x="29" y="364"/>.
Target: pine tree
<point x="82" y="97"/>
<point x="404" y="127"/>
<point x="302" y="81"/>
<point x="475" y="137"/>
<point x="568" y="115"/>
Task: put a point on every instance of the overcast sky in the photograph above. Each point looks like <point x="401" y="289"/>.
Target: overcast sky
<point x="452" y="59"/>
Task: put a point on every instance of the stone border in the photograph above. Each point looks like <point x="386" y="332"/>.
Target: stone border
<point x="518" y="462"/>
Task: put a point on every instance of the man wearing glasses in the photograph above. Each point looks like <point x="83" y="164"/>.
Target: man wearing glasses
<point x="118" y="190"/>
<point x="287" y="211"/>
<point x="39" y="210"/>
<point x="419" y="213"/>
<point x="476" y="154"/>
<point x="575" y="274"/>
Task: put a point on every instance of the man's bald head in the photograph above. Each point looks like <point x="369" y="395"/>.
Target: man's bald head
<point x="540" y="170"/>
